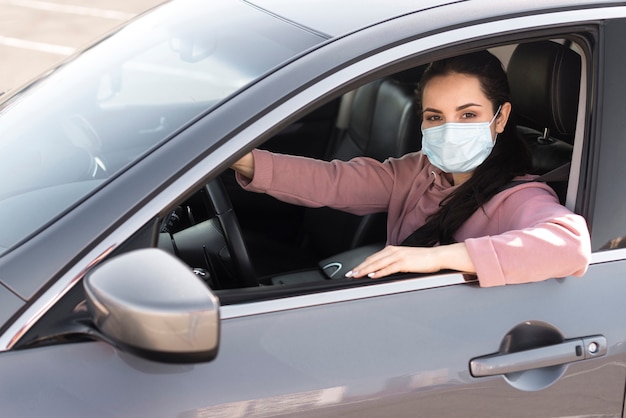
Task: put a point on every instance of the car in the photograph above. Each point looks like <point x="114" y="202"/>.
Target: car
<point x="138" y="279"/>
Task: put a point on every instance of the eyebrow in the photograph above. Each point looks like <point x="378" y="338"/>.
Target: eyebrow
<point x="465" y="106"/>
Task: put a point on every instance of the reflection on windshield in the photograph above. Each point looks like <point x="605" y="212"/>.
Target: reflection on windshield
<point x="91" y="117"/>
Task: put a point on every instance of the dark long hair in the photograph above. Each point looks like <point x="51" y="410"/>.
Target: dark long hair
<point x="510" y="156"/>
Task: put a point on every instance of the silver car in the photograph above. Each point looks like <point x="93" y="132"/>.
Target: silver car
<point x="138" y="280"/>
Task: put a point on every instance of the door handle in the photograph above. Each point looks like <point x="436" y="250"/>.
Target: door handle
<point x="568" y="351"/>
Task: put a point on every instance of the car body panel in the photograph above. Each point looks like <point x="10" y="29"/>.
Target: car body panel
<point x="10" y="304"/>
<point x="608" y="203"/>
<point x="346" y="358"/>
<point x="353" y="15"/>
<point x="346" y="17"/>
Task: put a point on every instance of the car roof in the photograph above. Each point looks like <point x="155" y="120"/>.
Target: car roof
<point x="333" y="18"/>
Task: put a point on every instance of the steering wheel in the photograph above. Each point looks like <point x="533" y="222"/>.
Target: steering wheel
<point x="223" y="208"/>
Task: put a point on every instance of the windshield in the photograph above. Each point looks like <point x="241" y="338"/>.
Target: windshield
<point x="68" y="132"/>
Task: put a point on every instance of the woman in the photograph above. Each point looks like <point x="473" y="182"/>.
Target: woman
<point x="450" y="206"/>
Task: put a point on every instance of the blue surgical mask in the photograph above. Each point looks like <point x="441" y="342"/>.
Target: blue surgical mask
<point x="458" y="147"/>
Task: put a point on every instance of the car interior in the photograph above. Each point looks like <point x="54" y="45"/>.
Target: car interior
<point x="268" y="243"/>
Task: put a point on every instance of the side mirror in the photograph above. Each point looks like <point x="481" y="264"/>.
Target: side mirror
<point x="149" y="303"/>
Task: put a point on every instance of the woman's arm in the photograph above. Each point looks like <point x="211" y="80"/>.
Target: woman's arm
<point x="360" y="186"/>
<point x="558" y="247"/>
<point x="539" y="239"/>
<point x="393" y="259"/>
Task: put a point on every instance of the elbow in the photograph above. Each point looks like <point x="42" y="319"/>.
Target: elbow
<point x="575" y="253"/>
<point x="582" y="249"/>
<point x="582" y="256"/>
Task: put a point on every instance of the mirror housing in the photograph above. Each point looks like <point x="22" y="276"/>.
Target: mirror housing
<point x="151" y="304"/>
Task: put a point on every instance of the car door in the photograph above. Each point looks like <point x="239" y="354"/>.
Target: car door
<point x="402" y="349"/>
<point x="439" y="345"/>
<point x="411" y="351"/>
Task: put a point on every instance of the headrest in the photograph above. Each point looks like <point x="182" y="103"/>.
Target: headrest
<point x="545" y="80"/>
<point x="410" y="76"/>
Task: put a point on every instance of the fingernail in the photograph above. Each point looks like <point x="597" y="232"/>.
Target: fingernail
<point x="371" y="275"/>
<point x="349" y="274"/>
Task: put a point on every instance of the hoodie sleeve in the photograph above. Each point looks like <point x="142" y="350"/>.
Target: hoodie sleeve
<point x="360" y="186"/>
<point x="543" y="239"/>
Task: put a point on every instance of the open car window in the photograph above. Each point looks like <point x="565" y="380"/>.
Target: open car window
<point x="294" y="250"/>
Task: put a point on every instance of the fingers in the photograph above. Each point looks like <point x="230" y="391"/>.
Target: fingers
<point x="383" y="263"/>
<point x="392" y="259"/>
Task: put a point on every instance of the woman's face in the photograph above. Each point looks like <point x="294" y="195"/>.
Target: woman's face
<point x="459" y="98"/>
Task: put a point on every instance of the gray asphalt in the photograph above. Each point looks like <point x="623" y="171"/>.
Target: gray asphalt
<point x="35" y="35"/>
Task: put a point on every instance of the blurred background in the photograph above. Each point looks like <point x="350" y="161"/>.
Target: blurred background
<point x="35" y="35"/>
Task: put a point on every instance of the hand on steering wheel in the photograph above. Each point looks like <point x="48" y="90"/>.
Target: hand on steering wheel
<point x="225" y="214"/>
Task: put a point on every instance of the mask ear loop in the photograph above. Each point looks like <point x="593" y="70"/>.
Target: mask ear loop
<point x="495" y="115"/>
<point x="493" y="119"/>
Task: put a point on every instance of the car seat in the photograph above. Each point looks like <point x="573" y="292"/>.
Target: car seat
<point x="544" y="77"/>
<point x="381" y="123"/>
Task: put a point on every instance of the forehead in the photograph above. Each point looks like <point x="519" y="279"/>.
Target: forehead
<point x="453" y="90"/>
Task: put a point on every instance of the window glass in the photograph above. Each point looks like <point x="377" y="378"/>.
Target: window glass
<point x="93" y="116"/>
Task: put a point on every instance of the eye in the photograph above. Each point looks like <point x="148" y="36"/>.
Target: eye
<point x="468" y="115"/>
<point x="432" y="118"/>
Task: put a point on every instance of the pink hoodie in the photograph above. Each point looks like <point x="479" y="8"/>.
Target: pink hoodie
<point x="515" y="238"/>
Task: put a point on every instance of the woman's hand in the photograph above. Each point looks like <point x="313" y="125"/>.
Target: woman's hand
<point x="392" y="259"/>
<point x="245" y="166"/>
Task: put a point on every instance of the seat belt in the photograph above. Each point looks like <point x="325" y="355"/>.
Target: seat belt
<point x="561" y="173"/>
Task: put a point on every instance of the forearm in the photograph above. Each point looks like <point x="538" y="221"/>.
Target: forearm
<point x="399" y="259"/>
<point x="360" y="186"/>
<point x="454" y="257"/>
